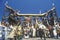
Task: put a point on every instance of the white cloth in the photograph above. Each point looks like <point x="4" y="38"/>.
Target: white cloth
<point x="54" y="31"/>
<point x="6" y="33"/>
<point x="34" y="32"/>
<point x="0" y="34"/>
<point x="11" y="26"/>
<point x="26" y="36"/>
<point x="41" y="26"/>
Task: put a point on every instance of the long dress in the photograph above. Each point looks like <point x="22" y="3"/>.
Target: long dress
<point x="54" y="31"/>
<point x="34" y="32"/>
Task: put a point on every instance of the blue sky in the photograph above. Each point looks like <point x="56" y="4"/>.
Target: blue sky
<point x="30" y="6"/>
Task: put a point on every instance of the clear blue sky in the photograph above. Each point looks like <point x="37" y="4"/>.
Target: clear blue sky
<point x="30" y="6"/>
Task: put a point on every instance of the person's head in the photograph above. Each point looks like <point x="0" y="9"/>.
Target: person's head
<point x="2" y="23"/>
<point x="7" y="24"/>
<point x="40" y="22"/>
<point x="15" y="13"/>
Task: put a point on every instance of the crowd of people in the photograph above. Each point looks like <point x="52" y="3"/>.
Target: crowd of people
<point x="14" y="32"/>
<point x="13" y="28"/>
